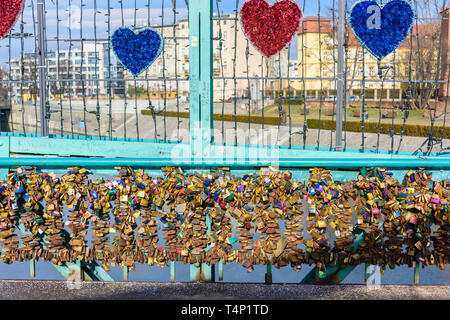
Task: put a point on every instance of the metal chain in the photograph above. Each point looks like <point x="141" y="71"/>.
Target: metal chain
<point x="321" y="81"/>
<point x="234" y="70"/>
<point x="305" y="123"/>
<point x="136" y="91"/>
<point x="177" y="97"/>
<point x="97" y="95"/>
<point x="164" y="73"/>
<point x="83" y="89"/>
<point x="35" y="64"/>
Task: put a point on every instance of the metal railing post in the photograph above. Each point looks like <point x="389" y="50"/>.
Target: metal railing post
<point x="416" y="272"/>
<point x="340" y="75"/>
<point x="200" y="75"/>
<point x="201" y="96"/>
<point x="32" y="268"/>
<point x="42" y="67"/>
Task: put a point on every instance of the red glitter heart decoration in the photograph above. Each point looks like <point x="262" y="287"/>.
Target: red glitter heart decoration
<point x="270" y="28"/>
<point x="10" y="11"/>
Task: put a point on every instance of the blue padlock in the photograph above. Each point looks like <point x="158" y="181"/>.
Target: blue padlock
<point x="19" y="188"/>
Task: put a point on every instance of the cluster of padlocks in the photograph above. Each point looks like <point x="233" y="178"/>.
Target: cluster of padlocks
<point x="260" y="218"/>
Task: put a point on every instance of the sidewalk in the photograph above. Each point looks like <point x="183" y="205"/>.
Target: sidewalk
<point x="59" y="290"/>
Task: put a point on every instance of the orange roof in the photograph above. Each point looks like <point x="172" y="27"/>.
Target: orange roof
<point x="311" y="25"/>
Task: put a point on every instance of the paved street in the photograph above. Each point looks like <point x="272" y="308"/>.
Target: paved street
<point x="126" y="122"/>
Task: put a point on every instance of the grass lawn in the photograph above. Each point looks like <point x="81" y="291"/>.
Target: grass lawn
<point x="313" y="112"/>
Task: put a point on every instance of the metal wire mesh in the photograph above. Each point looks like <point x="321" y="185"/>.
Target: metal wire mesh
<point x="392" y="105"/>
<point x="397" y="104"/>
<point x="89" y="92"/>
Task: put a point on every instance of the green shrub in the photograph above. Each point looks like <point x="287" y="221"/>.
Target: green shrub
<point x="218" y="117"/>
<point x="291" y="101"/>
<point x="246" y="119"/>
<point x="371" y="127"/>
<point x="368" y="93"/>
<point x="172" y="114"/>
<point x="352" y="126"/>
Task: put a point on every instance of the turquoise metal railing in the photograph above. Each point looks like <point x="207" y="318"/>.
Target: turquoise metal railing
<point x="101" y="155"/>
<point x="93" y="271"/>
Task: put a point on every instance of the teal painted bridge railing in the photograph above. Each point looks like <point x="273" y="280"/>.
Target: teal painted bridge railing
<point x="103" y="156"/>
<point x="201" y="153"/>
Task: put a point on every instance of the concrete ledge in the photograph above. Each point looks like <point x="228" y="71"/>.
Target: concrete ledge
<point x="63" y="290"/>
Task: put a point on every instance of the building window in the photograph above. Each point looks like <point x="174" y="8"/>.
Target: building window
<point x="360" y="56"/>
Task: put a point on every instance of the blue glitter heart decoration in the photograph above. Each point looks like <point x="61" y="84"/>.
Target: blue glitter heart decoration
<point x="381" y="28"/>
<point x="137" y="50"/>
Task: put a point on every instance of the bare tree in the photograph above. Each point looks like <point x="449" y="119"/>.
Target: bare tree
<point x="3" y="89"/>
<point x="423" y="62"/>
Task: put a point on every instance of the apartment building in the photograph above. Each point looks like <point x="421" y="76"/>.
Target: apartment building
<point x="231" y="59"/>
<point x="317" y="52"/>
<point x="317" y="60"/>
<point x="444" y="90"/>
<point x="82" y="70"/>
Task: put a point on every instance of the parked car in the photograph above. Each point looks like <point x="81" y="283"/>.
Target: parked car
<point x="330" y="98"/>
<point x="353" y="98"/>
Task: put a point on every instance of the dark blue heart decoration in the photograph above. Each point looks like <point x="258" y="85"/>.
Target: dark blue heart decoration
<point x="381" y="28"/>
<point x="137" y="50"/>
